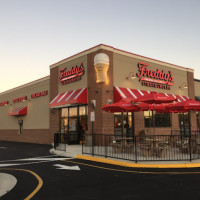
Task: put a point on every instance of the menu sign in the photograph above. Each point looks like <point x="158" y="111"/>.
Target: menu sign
<point x="73" y="74"/>
<point x="158" y="78"/>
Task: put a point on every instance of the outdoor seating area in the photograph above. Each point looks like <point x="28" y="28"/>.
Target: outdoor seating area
<point x="144" y="148"/>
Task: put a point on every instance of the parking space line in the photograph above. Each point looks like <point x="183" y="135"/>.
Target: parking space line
<point x="40" y="181"/>
<point x="130" y="171"/>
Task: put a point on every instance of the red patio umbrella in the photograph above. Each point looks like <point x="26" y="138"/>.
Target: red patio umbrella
<point x="156" y="98"/>
<point x="190" y="104"/>
<point x="185" y="106"/>
<point x="121" y="106"/>
<point x="146" y="106"/>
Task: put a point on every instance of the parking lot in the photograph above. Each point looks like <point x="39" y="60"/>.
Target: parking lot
<point x="41" y="175"/>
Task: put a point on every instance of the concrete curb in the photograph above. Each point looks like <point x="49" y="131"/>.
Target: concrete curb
<point x="62" y="153"/>
<point x="124" y="163"/>
<point x="137" y="165"/>
<point x="7" y="183"/>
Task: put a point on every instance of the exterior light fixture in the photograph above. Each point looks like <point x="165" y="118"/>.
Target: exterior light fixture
<point x="130" y="76"/>
<point x="93" y="103"/>
<point x="109" y="101"/>
<point x="184" y="85"/>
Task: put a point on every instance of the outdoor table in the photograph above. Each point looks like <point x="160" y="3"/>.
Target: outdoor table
<point x="125" y="145"/>
<point x="156" y="147"/>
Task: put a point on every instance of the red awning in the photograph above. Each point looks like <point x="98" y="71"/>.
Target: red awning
<point x="134" y="94"/>
<point x="18" y="111"/>
<point x="71" y="97"/>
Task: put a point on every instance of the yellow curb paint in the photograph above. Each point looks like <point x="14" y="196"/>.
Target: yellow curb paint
<point x="40" y="181"/>
<point x="137" y="165"/>
<point x="128" y="171"/>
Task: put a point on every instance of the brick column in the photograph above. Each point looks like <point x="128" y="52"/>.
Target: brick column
<point x="175" y="121"/>
<point x="191" y="94"/>
<point x="54" y="113"/>
<point x="139" y="123"/>
<point x="101" y="92"/>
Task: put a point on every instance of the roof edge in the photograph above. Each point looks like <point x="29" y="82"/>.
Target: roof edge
<point x="197" y="80"/>
<point x="113" y="49"/>
<point x="26" y="84"/>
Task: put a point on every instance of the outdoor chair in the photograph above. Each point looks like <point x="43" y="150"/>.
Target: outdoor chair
<point x="146" y="149"/>
<point x="162" y="150"/>
<point x="129" y="147"/>
<point x="117" y="147"/>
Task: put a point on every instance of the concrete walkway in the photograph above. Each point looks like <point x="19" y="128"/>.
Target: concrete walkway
<point x="7" y="183"/>
<point x="75" y="151"/>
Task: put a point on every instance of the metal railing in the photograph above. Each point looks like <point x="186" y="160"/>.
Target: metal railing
<point x="144" y="148"/>
<point x="61" y="139"/>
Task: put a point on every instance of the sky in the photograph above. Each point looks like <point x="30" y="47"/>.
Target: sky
<point x="37" y="33"/>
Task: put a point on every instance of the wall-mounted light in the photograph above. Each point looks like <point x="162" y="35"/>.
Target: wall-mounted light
<point x="93" y="103"/>
<point x="184" y="85"/>
<point x="130" y="76"/>
<point x="109" y="101"/>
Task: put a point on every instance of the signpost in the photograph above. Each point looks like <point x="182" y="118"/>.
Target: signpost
<point x="92" y="119"/>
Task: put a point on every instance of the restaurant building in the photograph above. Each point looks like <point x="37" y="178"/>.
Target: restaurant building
<point x="72" y="97"/>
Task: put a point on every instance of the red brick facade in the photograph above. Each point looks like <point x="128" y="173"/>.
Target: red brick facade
<point x="101" y="92"/>
<point x="54" y="113"/>
<point x="30" y="136"/>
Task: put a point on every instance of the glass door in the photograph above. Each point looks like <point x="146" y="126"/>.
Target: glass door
<point x="73" y="123"/>
<point x="124" y="125"/>
<point x="184" y="124"/>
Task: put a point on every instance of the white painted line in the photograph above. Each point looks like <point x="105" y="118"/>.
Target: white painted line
<point x="38" y="160"/>
<point x="3" y="161"/>
<point x="66" y="167"/>
<point x="41" y="159"/>
<point x="3" y="147"/>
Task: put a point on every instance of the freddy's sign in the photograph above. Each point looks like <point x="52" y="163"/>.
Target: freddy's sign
<point x="39" y="94"/>
<point x="20" y="99"/>
<point x="71" y="75"/>
<point x="158" y="78"/>
<point x="4" y="103"/>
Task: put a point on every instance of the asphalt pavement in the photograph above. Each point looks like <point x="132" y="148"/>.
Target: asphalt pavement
<point x="41" y="175"/>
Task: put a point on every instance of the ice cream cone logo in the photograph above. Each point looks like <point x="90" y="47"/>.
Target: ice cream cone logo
<point x="101" y="65"/>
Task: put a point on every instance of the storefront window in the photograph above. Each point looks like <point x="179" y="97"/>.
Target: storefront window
<point x="183" y="124"/>
<point x="82" y="110"/>
<point x="64" y="125"/>
<point x="123" y="124"/>
<point x="157" y="120"/>
<point x="198" y="120"/>
<point x="74" y="119"/>
<point x="118" y="124"/>
<point x="65" y="112"/>
<point x="73" y="112"/>
<point x="72" y="124"/>
<point x="83" y="124"/>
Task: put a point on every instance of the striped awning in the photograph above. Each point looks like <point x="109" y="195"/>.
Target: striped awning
<point x="127" y="93"/>
<point x="18" y="111"/>
<point x="70" y="97"/>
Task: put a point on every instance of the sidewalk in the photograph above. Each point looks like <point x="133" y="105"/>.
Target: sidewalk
<point x="75" y="151"/>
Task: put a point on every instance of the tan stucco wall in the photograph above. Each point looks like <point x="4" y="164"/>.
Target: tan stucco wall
<point x="77" y="84"/>
<point x="123" y="65"/>
<point x="197" y="88"/>
<point x="38" y="111"/>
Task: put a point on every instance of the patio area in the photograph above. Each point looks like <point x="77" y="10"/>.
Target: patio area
<point x="144" y="148"/>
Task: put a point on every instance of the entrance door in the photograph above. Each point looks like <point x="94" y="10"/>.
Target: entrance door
<point x="73" y="131"/>
<point x="184" y="124"/>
